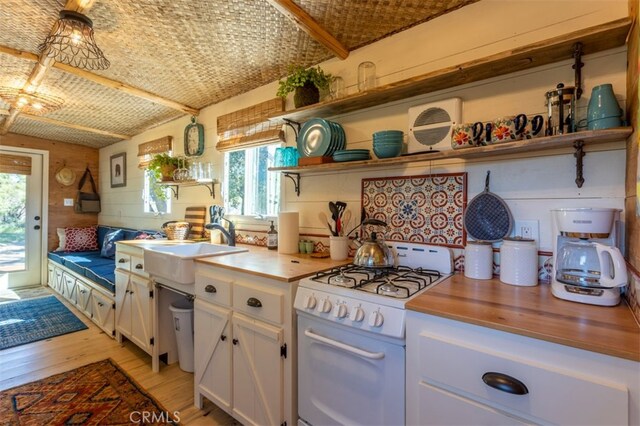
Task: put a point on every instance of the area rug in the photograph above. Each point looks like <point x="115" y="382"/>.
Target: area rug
<point x="96" y="394"/>
<point x="30" y="320"/>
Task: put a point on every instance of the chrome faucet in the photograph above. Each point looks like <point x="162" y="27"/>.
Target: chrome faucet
<point x="230" y="235"/>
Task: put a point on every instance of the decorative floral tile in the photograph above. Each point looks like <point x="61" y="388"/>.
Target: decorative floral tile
<point x="422" y="209"/>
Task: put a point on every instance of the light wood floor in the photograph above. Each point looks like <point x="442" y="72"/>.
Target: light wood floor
<point x="172" y="387"/>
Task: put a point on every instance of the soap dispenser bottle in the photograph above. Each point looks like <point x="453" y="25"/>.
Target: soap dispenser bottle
<point x="272" y="238"/>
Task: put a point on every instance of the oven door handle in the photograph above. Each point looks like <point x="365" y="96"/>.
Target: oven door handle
<point x="344" y="347"/>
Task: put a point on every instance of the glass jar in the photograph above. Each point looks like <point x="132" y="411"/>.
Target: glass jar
<point x="366" y="76"/>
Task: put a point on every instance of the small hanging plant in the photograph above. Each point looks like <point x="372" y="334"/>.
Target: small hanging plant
<point x="306" y="82"/>
<point x="163" y="165"/>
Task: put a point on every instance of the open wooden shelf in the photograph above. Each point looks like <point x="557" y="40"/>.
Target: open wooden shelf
<point x="490" y="152"/>
<point x="593" y="39"/>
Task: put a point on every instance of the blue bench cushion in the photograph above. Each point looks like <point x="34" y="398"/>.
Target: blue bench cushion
<point x="103" y="275"/>
<point x="91" y="264"/>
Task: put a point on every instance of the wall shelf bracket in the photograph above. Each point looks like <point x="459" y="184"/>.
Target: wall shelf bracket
<point x="295" y="178"/>
<point x="175" y="187"/>
<point x="293" y="124"/>
<point x="579" y="154"/>
<point x="577" y="66"/>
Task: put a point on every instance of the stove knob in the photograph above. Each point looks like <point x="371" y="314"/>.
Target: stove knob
<point x="376" y="319"/>
<point x="310" y="301"/>
<point x="324" y="306"/>
<point x="357" y="314"/>
<point x="340" y="310"/>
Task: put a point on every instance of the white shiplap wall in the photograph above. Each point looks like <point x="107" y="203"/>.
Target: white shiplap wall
<point x="531" y="186"/>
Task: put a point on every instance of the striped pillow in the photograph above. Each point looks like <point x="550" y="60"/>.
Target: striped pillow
<point x="196" y="217"/>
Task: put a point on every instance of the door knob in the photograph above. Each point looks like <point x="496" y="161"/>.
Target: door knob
<point x="36" y="227"/>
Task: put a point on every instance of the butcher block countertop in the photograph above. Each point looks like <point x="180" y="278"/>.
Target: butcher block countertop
<point x="271" y="264"/>
<point x="534" y="312"/>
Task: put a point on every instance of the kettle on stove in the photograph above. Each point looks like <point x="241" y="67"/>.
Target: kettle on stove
<point x="373" y="252"/>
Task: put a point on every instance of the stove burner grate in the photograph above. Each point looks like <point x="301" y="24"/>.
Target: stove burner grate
<point x="400" y="282"/>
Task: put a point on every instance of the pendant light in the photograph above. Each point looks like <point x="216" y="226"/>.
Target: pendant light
<point x="30" y="102"/>
<point x="71" y="42"/>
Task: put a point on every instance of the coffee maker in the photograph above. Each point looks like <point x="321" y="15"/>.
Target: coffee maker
<point x="587" y="264"/>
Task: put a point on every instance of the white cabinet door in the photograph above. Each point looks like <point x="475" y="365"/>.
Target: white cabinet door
<point x="123" y="304"/>
<point x="83" y="298"/>
<point x="257" y="372"/>
<point x="441" y="408"/>
<point x="212" y="354"/>
<point x="103" y="312"/>
<point x="69" y="287"/>
<point x="141" y="305"/>
<point x="57" y="283"/>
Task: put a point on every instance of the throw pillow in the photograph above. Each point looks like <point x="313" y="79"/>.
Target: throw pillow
<point x="109" y="243"/>
<point x="81" y="239"/>
<point x="61" y="239"/>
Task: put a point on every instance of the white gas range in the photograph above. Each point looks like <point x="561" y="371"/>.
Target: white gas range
<point x="351" y="336"/>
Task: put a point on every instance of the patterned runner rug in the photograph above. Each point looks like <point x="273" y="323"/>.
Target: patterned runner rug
<point x="96" y="394"/>
<point x="30" y="320"/>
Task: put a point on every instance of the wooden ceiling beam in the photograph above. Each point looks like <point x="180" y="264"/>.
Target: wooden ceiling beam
<point x="104" y="81"/>
<point x="306" y="23"/>
<point x="74" y="126"/>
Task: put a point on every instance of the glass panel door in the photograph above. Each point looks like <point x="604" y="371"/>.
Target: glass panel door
<point x="20" y="225"/>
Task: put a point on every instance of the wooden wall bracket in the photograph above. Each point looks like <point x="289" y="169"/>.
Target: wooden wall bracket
<point x="579" y="154"/>
<point x="295" y="178"/>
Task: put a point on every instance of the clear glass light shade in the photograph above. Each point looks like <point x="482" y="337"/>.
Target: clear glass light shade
<point x="71" y="42"/>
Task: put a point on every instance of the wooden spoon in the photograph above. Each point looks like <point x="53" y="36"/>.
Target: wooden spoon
<point x="346" y="218"/>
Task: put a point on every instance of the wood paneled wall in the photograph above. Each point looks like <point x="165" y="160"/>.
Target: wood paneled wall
<point x="632" y="220"/>
<point x="76" y="157"/>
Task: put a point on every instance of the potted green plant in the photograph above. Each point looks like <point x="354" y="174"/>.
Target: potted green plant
<point x="305" y="83"/>
<point x="163" y="165"/>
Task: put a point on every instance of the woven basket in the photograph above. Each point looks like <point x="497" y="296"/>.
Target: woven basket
<point x="177" y="230"/>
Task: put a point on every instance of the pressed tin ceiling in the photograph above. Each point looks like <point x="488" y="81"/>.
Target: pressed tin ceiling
<point x="196" y="53"/>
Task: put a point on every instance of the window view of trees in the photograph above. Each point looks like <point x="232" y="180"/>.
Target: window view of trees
<point x="249" y="187"/>
<point x="13" y="193"/>
<point x="156" y="198"/>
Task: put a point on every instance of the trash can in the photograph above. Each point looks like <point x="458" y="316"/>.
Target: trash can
<point x="183" y="325"/>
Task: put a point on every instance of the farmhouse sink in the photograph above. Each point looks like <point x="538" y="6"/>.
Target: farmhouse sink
<point x="175" y="263"/>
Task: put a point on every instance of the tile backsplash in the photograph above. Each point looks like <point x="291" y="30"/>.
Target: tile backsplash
<point x="422" y="209"/>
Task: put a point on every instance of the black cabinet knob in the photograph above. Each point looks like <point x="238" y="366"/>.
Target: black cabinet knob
<point x="210" y="289"/>
<point x="223" y="337"/>
<point x="254" y="303"/>
<point x="139" y="266"/>
<point x="235" y="341"/>
<point x="505" y="383"/>
<point x="36" y="227"/>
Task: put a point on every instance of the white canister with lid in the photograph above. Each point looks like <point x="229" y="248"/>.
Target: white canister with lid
<point x="519" y="262"/>
<point x="478" y="260"/>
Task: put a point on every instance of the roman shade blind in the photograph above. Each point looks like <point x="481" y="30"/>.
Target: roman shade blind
<point x="250" y="126"/>
<point x="15" y="164"/>
<point x="147" y="150"/>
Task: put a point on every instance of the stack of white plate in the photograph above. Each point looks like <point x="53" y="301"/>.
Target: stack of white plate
<point x="320" y="138"/>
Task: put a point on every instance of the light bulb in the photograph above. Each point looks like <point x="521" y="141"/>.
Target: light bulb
<point x="22" y="101"/>
<point x="30" y="88"/>
<point x="37" y="106"/>
<point x="76" y="36"/>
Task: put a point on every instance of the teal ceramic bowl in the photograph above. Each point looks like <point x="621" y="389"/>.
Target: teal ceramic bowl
<point x="395" y="133"/>
<point x="387" y="151"/>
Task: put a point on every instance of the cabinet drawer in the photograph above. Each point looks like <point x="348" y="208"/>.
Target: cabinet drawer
<point x="213" y="290"/>
<point x="555" y="395"/>
<point x="258" y="302"/>
<point x="123" y="261"/>
<point x="137" y="266"/>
